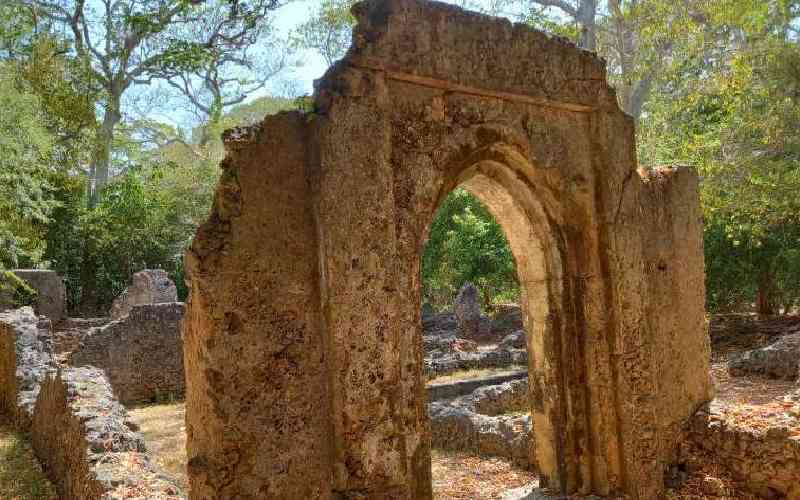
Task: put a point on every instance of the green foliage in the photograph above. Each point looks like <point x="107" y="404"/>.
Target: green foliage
<point x="327" y="30"/>
<point x="732" y="110"/>
<point x="19" y="291"/>
<point x="466" y="243"/>
<point x="26" y="151"/>
<point x="138" y="224"/>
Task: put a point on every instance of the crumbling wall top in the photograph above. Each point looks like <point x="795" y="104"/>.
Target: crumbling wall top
<point x="441" y="45"/>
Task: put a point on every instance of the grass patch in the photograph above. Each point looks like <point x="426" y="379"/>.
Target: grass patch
<point x="474" y="373"/>
<point x="21" y="476"/>
<point x="164" y="430"/>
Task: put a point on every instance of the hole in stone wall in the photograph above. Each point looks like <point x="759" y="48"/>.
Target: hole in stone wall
<point x="475" y="348"/>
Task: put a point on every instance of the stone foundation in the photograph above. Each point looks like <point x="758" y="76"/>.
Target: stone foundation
<point x="141" y="353"/>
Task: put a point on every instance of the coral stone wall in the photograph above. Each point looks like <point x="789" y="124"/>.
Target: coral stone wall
<point x="25" y="359"/>
<point x="88" y="448"/>
<point x="142" y="353"/>
<point x="303" y="334"/>
<point x="764" y="462"/>
<point x="79" y="431"/>
<point x="150" y="286"/>
<point x="51" y="292"/>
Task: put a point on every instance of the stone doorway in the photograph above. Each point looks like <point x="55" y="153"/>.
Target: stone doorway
<point x="302" y="378"/>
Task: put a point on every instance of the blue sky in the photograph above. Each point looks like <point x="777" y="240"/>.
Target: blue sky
<point x="313" y="65"/>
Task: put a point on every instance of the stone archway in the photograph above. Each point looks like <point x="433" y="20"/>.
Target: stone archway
<point x="302" y="378"/>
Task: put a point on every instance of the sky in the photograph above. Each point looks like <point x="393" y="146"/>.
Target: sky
<point x="313" y="64"/>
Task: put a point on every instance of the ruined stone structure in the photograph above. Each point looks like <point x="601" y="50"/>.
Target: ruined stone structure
<point x="142" y="353"/>
<point x="303" y="344"/>
<point x="150" y="286"/>
<point x="79" y="431"/>
<point x="51" y="293"/>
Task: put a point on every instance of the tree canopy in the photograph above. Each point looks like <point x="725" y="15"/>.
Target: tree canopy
<point x="96" y="183"/>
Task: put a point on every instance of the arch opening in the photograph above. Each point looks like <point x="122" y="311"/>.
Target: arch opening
<point x="521" y="210"/>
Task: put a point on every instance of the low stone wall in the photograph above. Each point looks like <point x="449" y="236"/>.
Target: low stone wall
<point x="87" y="446"/>
<point x="780" y="360"/>
<point x="142" y="353"/>
<point x="475" y="423"/>
<point x="764" y="462"/>
<point x="67" y="334"/>
<point x="25" y="359"/>
<point x="79" y="432"/>
<point x="450" y="390"/>
<point x="442" y="364"/>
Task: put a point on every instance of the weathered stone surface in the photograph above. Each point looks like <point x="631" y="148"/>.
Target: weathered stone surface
<point x="437" y="346"/>
<point x="476" y="423"/>
<point x="141" y="353"/>
<point x="25" y="359"/>
<point x="515" y="340"/>
<point x="467" y="309"/>
<point x="150" y="286"/>
<point x="51" y="292"/>
<point x="440" y="363"/>
<point x="303" y="336"/>
<point x="89" y="450"/>
<point x="765" y="462"/>
<point x="512" y="396"/>
<point x="457" y="428"/>
<point x="449" y="390"/>
<point x="67" y="333"/>
<point x="780" y="360"/>
<point x="506" y="320"/>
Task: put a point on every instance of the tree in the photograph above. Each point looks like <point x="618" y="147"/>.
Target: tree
<point x="729" y="105"/>
<point x="131" y="42"/>
<point x="26" y="154"/>
<point x="248" y="57"/>
<point x="466" y="243"/>
<point x="635" y="37"/>
<point x="328" y="29"/>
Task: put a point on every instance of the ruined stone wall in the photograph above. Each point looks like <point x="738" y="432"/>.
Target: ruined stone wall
<point x="258" y="407"/>
<point x="25" y="359"/>
<point x="303" y="335"/>
<point x="141" y="353"/>
<point x="79" y="431"/>
<point x="86" y="445"/>
<point x="763" y="462"/>
<point x="51" y="292"/>
<point x="150" y="286"/>
<point x="674" y="273"/>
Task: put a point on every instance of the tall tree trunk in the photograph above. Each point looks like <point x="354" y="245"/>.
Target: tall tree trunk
<point x="586" y="17"/>
<point x="765" y="297"/>
<point x="102" y="158"/>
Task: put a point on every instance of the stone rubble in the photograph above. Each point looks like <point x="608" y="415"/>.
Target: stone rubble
<point x="779" y="360"/>
<point x="479" y="423"/>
